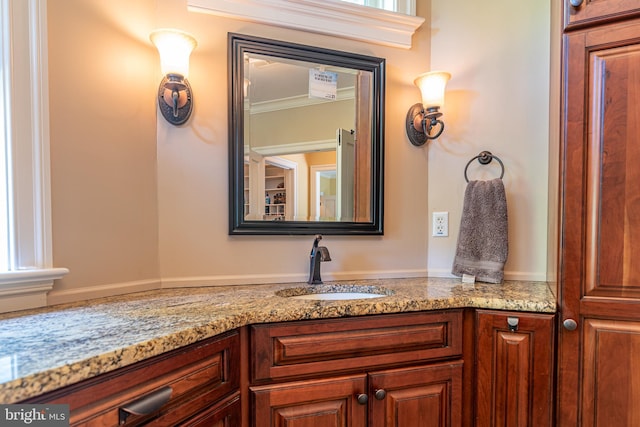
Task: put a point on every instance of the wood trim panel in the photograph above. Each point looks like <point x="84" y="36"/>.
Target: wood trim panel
<point x="226" y="414"/>
<point x="364" y="143"/>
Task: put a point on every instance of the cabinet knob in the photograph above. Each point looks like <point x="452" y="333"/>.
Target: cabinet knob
<point x="380" y="394"/>
<point x="570" y="324"/>
<point x="363" y="399"/>
<point x="575" y="3"/>
<point x="512" y="322"/>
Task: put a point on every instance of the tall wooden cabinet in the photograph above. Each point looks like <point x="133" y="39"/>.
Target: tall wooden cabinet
<point x="599" y="268"/>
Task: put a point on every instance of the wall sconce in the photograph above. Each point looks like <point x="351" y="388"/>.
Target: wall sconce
<point x="424" y="118"/>
<point x="174" y="93"/>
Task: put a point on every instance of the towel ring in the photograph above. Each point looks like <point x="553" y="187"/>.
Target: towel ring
<point x="484" y="158"/>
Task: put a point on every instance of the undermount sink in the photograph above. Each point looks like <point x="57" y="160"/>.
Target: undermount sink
<point x="334" y="292"/>
<point x="337" y="296"/>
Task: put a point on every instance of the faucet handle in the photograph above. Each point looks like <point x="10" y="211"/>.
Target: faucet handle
<point x="324" y="254"/>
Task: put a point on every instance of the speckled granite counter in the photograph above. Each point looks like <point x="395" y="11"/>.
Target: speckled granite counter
<point x="42" y="350"/>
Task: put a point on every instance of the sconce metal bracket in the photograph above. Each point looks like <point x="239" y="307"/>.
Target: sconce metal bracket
<point x="417" y="138"/>
<point x="175" y="99"/>
<point x="421" y="123"/>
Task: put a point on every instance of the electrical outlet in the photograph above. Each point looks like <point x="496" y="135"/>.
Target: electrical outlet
<point x="440" y="224"/>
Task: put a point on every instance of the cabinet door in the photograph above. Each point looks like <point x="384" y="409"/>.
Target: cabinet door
<point x="595" y="11"/>
<point x="423" y="396"/>
<point x="329" y="402"/>
<point x="514" y="366"/>
<point x="599" y="282"/>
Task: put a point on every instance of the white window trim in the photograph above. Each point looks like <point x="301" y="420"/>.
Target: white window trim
<point x="24" y="48"/>
<point x="333" y="17"/>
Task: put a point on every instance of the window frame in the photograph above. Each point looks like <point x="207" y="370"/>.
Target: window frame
<point x="24" y="80"/>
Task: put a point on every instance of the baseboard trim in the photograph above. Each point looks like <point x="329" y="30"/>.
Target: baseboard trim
<point x="260" y="279"/>
<point x="522" y="276"/>
<point x="98" y="291"/>
<point x="73" y="295"/>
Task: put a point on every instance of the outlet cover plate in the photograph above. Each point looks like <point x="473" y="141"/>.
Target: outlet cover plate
<point x="440" y="224"/>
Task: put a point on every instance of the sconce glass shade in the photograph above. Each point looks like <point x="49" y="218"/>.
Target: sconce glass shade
<point x="174" y="47"/>
<point x="423" y="119"/>
<point x="432" y="85"/>
<point x="174" y="94"/>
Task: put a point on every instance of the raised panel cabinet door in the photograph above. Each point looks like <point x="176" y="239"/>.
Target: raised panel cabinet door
<point x="331" y="402"/>
<point x="421" y="396"/>
<point x="611" y="378"/>
<point x="590" y="12"/>
<point x="600" y="273"/>
<point x="514" y="369"/>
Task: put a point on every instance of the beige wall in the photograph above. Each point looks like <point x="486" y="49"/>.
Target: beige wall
<point x="134" y="202"/>
<point x="296" y="125"/>
<point x="192" y="171"/>
<point x="103" y="145"/>
<point x="497" y="100"/>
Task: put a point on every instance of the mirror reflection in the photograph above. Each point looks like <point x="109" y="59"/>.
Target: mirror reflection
<point x="299" y="140"/>
<point x="309" y="144"/>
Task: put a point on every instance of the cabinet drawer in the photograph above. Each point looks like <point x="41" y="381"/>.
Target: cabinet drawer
<point x="592" y="12"/>
<point x="199" y="375"/>
<point x="310" y="347"/>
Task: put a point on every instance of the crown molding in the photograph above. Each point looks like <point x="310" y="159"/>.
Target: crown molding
<point x="332" y="17"/>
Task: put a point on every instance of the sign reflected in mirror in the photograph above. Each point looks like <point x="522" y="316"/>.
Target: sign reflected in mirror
<point x="306" y="139"/>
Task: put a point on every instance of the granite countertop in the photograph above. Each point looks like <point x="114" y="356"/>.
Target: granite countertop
<point x="45" y="349"/>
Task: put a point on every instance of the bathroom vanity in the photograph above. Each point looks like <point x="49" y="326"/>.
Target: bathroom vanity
<point x="252" y="356"/>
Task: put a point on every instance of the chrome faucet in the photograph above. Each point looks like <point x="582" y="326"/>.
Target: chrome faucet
<point x="318" y="255"/>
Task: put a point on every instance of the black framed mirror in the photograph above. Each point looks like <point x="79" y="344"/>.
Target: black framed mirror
<point x="306" y="139"/>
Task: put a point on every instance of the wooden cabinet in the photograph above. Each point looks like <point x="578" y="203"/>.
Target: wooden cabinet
<point x="330" y="402"/>
<point x="419" y="396"/>
<point x="514" y="369"/>
<point x="599" y="278"/>
<point x="393" y="370"/>
<point x="195" y="385"/>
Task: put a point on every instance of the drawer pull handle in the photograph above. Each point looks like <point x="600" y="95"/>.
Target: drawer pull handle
<point x="145" y="405"/>
<point x="380" y="394"/>
<point x="363" y="399"/>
